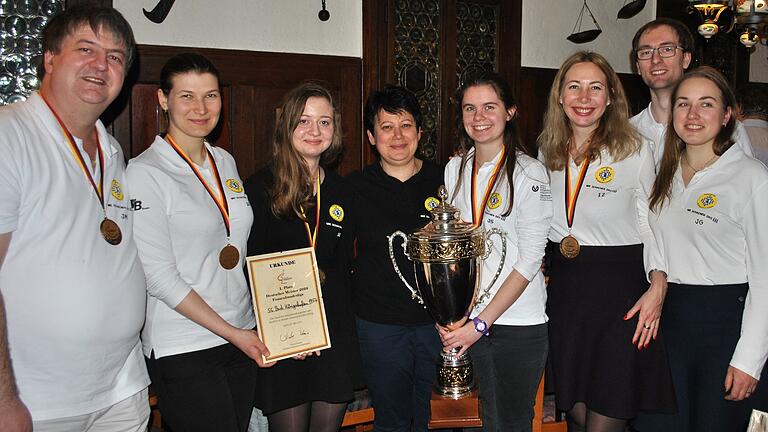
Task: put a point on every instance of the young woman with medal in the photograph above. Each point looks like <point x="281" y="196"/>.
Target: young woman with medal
<point x="496" y="183"/>
<point x="192" y="220"/>
<point x="708" y="209"/>
<point x="604" y="317"/>
<point x="298" y="203"/>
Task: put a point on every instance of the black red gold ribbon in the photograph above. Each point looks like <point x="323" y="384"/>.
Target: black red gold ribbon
<point x="477" y="213"/>
<point x="572" y="196"/>
<point x="98" y="189"/>
<point x="221" y="199"/>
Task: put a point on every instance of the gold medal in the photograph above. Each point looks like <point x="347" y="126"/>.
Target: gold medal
<point x="569" y="247"/>
<point x="229" y="257"/>
<point x="111" y="231"/>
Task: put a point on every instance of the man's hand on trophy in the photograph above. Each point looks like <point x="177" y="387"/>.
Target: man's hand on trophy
<point x="461" y="338"/>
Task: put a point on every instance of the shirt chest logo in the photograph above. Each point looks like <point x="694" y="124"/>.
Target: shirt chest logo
<point x="707" y="200"/>
<point x="494" y="201"/>
<point x="116" y="190"/>
<point x="336" y="212"/>
<point x="605" y="174"/>
<point x="234" y="185"/>
<point x="431" y="203"/>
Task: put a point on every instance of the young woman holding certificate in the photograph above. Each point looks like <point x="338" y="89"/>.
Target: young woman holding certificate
<point x="604" y="317"/>
<point x="709" y="205"/>
<point x="496" y="184"/>
<point x="192" y="220"/>
<point x="297" y="203"/>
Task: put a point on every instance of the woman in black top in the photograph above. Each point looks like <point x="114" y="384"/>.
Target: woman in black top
<point x="297" y="203"/>
<point x="398" y="339"/>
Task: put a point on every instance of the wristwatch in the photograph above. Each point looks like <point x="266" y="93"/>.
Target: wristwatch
<point x="481" y="326"/>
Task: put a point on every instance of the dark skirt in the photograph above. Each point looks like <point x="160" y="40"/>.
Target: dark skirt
<point x="702" y="325"/>
<point x="593" y="359"/>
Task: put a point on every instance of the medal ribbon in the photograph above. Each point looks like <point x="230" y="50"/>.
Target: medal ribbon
<point x="312" y="234"/>
<point x="477" y="213"/>
<point x="572" y="196"/>
<point x="220" y="200"/>
<point x="99" y="189"/>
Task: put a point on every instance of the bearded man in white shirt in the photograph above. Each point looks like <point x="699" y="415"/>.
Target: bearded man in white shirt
<point x="72" y="285"/>
<point x="662" y="50"/>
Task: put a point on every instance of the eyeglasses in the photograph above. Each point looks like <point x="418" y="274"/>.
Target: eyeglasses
<point x="664" y="51"/>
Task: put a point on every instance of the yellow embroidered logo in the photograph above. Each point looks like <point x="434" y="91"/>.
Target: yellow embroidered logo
<point x="116" y="190"/>
<point x="604" y="174"/>
<point x="336" y="212"/>
<point x="494" y="201"/>
<point x="707" y="200"/>
<point x="431" y="203"/>
<point x="234" y="185"/>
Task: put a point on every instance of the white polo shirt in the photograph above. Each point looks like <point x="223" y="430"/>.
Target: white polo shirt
<point x="180" y="233"/>
<point x="714" y="232"/>
<point x="75" y="304"/>
<point x="654" y="132"/>
<point x="526" y="229"/>
<point x="612" y="207"/>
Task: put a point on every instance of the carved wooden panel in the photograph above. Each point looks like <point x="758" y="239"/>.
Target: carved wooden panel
<point x="428" y="46"/>
<point x="417" y="62"/>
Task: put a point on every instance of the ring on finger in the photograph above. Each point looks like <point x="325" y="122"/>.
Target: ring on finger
<point x="646" y="326"/>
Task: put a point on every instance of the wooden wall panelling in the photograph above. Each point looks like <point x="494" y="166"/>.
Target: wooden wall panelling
<point x="253" y="86"/>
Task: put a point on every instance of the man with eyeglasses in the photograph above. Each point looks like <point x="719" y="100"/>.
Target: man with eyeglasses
<point x="662" y="51"/>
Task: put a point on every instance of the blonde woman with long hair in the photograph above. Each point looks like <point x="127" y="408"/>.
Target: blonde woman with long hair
<point x="604" y="316"/>
<point x="298" y="203"/>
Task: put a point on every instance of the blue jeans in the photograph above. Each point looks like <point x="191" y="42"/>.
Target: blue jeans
<point x="400" y="364"/>
<point x="508" y="366"/>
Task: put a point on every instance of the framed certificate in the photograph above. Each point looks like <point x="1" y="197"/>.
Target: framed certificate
<point x="288" y="302"/>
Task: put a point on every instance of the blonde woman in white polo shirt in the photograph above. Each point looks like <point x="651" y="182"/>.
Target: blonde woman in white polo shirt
<point x="192" y="220"/>
<point x="607" y="365"/>
<point x="495" y="183"/>
<point x="709" y="206"/>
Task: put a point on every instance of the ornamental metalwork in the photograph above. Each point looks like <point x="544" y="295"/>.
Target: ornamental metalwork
<point x="417" y="60"/>
<point x="21" y="25"/>
<point x="477" y="39"/>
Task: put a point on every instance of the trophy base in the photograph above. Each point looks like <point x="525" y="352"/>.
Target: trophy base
<point x="447" y="412"/>
<point x="455" y="377"/>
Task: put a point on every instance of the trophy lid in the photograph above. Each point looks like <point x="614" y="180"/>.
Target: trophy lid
<point x="446" y="237"/>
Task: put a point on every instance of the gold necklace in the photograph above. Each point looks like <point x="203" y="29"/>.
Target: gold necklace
<point x="708" y="163"/>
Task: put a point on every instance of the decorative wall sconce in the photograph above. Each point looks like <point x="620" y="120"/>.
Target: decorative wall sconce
<point x="710" y="11"/>
<point x="749" y="17"/>
<point x="752" y="21"/>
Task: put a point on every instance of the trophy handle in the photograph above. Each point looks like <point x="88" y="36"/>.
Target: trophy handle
<point x="390" y="238"/>
<point x="488" y="247"/>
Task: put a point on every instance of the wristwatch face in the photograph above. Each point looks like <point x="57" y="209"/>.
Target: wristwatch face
<point x="480" y="325"/>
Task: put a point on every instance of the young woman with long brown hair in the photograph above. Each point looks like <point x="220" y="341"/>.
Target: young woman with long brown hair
<point x="709" y="204"/>
<point x="495" y="183"/>
<point x="298" y="203"/>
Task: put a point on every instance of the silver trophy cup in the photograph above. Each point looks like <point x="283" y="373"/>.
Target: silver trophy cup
<point x="447" y="257"/>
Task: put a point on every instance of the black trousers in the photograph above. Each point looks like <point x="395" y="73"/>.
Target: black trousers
<point x="508" y="367"/>
<point x="702" y="325"/>
<point x="206" y="390"/>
